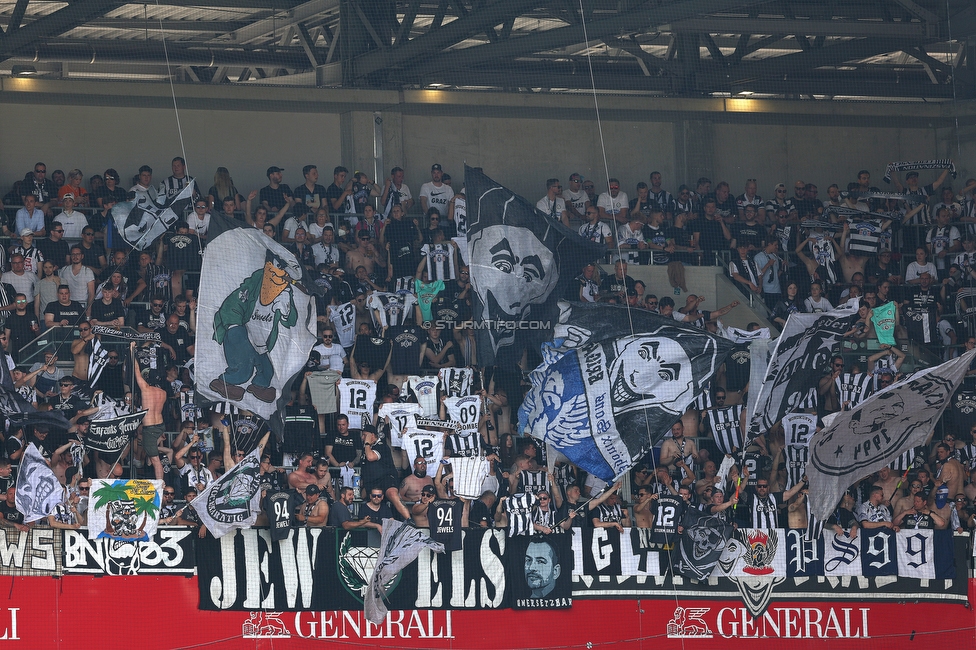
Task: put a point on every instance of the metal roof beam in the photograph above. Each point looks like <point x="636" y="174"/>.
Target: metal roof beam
<point x="61" y="21"/>
<point x="855" y="28"/>
<point x="298" y="14"/>
<point x="641" y="16"/>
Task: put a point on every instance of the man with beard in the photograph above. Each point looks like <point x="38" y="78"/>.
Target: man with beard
<point x="413" y="485"/>
<point x="542" y="568"/>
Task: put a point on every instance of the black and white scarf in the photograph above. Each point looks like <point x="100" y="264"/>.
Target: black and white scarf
<point x="942" y="163"/>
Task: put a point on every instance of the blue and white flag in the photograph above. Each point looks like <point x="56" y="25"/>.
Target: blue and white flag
<point x="38" y="488"/>
<point x="612" y="383"/>
<point x="878" y="430"/>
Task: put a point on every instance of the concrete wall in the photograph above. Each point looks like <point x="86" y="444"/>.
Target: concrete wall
<point x="519" y="139"/>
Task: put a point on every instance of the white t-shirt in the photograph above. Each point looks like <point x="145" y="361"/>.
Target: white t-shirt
<point x="332" y="356"/>
<point x="73" y="223"/>
<point x="356" y="397"/>
<point x="613" y="205"/>
<point x="577" y="199"/>
<point x="554" y="208"/>
<point x="200" y="226"/>
<point x="429" y="445"/>
<point x="437" y="197"/>
<point x="401" y="417"/>
<point x="344" y="318"/>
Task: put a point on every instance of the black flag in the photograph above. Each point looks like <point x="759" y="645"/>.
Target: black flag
<point x="522" y="261"/>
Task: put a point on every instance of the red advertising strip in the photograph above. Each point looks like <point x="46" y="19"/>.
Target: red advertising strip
<point x="143" y="612"/>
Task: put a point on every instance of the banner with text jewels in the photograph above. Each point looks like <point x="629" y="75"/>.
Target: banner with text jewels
<point x="328" y="569"/>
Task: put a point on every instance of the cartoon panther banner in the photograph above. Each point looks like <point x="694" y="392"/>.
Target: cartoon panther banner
<point x="878" y="430"/>
<point x="613" y="382"/>
<point x="522" y="261"/>
<point x="124" y="510"/>
<point x="255" y="322"/>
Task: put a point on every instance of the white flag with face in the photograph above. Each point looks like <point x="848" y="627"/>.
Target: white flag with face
<point x="38" y="488"/>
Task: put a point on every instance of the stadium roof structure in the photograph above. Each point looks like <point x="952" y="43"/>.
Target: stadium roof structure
<point x="890" y="49"/>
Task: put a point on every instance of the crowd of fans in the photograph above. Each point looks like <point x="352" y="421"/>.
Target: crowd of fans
<point x="396" y="314"/>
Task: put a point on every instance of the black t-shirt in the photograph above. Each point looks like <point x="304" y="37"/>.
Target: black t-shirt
<point x="70" y="312"/>
<point x="179" y="341"/>
<point x="375" y="470"/>
<point x="399" y="234"/>
<point x="407" y="341"/>
<point x="314" y="198"/>
<point x="183" y="252"/>
<point x="752" y="234"/>
<point x="711" y="237"/>
<point x="301" y="429"/>
<point x="612" y="284"/>
<point x="104" y="313"/>
<point x="372" y="350"/>
<point x="274" y="197"/>
<point x="344" y="448"/>
<point x="10" y="513"/>
<point x="118" y="194"/>
<point x="332" y="193"/>
<point x="479" y="513"/>
<point x="279" y="514"/>
<point x="444" y="517"/>
<point x="737" y="368"/>
<point x="92" y="254"/>
<point x="20" y="328"/>
<point x="55" y="251"/>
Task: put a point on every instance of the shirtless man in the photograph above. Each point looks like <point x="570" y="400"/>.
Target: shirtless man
<point x="153" y="399"/>
<point x="364" y="254"/>
<point x="887" y="480"/>
<point x="643" y="513"/>
<point x="301" y="477"/>
<point x="948" y="470"/>
<point x="419" y="510"/>
<point x="411" y="486"/>
<point x="81" y="349"/>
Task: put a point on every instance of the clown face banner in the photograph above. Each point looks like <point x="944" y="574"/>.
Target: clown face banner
<point x="522" y="262"/>
<point x="255" y="324"/>
<point x="607" y="391"/>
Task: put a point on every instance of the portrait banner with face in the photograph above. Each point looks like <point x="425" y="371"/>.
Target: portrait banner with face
<point x="612" y="383"/>
<point x="124" y="509"/>
<point x="796" y="364"/>
<point x="255" y="322"/>
<point x="521" y="262"/>
<point x="540" y="571"/>
<point x="878" y="430"/>
<point x="38" y="488"/>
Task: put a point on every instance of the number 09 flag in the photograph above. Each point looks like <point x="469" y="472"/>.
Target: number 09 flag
<point x="878" y="431"/>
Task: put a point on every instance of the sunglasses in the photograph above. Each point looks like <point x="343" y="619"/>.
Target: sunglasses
<point x="376" y="496"/>
<point x="763" y="487"/>
<point x="170" y="494"/>
<point x="84" y="329"/>
<point x="113" y="356"/>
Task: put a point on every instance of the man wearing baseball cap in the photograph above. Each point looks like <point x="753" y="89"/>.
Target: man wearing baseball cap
<point x="272" y="195"/>
<point x="314" y="512"/>
<point x="436" y="194"/>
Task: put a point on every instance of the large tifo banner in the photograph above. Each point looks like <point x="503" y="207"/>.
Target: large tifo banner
<point x="326" y="568"/>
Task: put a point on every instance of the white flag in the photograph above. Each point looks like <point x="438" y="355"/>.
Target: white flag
<point x="233" y="500"/>
<point x="916" y="553"/>
<point x="38" y="489"/>
<point x="401" y="544"/>
<point x="879" y="430"/>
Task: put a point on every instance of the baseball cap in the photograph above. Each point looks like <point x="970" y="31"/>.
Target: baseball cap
<point x="68" y="195"/>
<point x="26" y="231"/>
<point x="435" y="167"/>
<point x="273" y="170"/>
<point x="911" y="174"/>
<point x="312" y="489"/>
<point x="631" y="292"/>
<point x="369" y="428"/>
<point x="428" y="489"/>
<point x="446" y="177"/>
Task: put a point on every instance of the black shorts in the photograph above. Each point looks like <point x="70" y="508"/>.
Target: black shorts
<point x="383" y="483"/>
